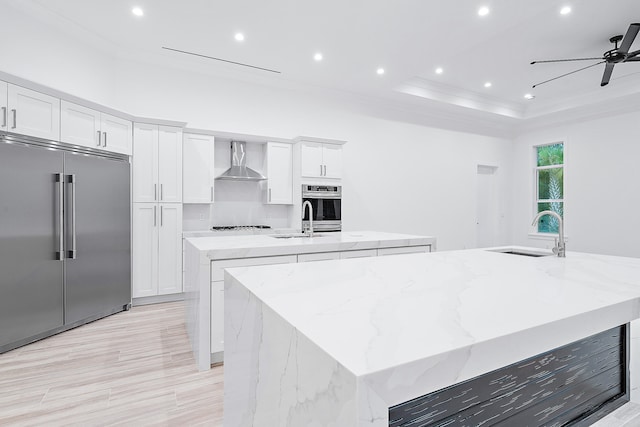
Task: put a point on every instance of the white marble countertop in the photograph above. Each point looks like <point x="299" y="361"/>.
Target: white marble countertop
<point x="230" y="247"/>
<point x="445" y="313"/>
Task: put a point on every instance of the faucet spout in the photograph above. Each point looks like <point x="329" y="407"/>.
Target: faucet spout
<point x="307" y="204"/>
<point x="559" y="248"/>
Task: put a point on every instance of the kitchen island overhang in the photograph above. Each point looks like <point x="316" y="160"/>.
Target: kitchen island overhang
<point x="343" y="341"/>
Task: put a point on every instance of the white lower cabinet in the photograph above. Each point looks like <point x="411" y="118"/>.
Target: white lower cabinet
<point x="404" y="250"/>
<point x="363" y="253"/>
<point x="322" y="256"/>
<point x="157" y="249"/>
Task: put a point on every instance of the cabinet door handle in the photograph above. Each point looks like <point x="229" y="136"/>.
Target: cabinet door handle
<point x="155" y="216"/>
<point x="212" y="193"/>
<point x="325" y="170"/>
<point x="15" y="118"/>
<point x="4" y="117"/>
<point x="99" y="139"/>
<point x="320" y="170"/>
<point x="73" y="251"/>
<point x="161" y="216"/>
<point x="60" y="181"/>
<point x="269" y="194"/>
<point x="105" y="139"/>
<point x="160" y="191"/>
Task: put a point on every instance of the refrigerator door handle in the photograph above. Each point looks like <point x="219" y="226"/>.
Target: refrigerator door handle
<point x="73" y="251"/>
<point x="60" y="182"/>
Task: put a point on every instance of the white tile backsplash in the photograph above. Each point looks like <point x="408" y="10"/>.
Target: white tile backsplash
<point x="235" y="203"/>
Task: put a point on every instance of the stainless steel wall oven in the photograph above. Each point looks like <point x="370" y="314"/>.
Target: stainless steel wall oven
<point x="326" y="201"/>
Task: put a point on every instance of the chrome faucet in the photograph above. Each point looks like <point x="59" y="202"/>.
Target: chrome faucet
<point x="304" y="205"/>
<point x="559" y="248"/>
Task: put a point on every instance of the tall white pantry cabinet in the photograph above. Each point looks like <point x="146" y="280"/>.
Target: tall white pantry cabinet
<point x="157" y="210"/>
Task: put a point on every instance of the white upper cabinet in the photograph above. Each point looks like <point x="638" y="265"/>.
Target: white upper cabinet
<point x="278" y="167"/>
<point x="332" y="160"/>
<point x="321" y="160"/>
<point x="157" y="163"/>
<point x="32" y="113"/>
<point x="80" y="125"/>
<point x="4" y="110"/>
<point x="170" y="163"/>
<point x="312" y="165"/>
<point x="145" y="163"/>
<point x="198" y="168"/>
<point x="117" y="134"/>
<point x="90" y="128"/>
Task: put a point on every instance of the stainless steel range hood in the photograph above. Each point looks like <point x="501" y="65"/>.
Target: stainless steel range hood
<point x="239" y="170"/>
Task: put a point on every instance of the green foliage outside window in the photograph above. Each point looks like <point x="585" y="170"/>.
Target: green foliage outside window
<point x="550" y="185"/>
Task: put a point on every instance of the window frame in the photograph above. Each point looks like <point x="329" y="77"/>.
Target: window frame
<point x="533" y="230"/>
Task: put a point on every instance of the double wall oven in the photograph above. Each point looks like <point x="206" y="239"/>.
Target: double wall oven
<point x="326" y="201"/>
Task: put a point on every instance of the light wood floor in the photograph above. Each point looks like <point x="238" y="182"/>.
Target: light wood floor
<point x="132" y="368"/>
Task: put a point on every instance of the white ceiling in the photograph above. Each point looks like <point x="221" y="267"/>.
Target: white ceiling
<point x="409" y="38"/>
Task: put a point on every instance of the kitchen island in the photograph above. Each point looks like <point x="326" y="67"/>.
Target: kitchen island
<point x="206" y="258"/>
<point x="355" y="342"/>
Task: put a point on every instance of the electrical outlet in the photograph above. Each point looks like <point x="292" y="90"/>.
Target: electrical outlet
<point x="201" y="217"/>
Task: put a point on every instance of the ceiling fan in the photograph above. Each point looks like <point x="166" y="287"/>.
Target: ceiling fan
<point x="611" y="57"/>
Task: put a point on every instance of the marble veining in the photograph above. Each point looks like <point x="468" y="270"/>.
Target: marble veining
<point x="404" y="326"/>
<point x="231" y="247"/>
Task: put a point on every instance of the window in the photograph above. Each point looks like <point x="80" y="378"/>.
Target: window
<point x="549" y="185"/>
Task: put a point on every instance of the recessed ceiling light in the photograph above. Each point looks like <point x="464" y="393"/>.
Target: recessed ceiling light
<point x="528" y="96"/>
<point x="483" y="11"/>
<point x="565" y="10"/>
<point x="239" y="37"/>
<point x="380" y="71"/>
<point x="317" y="56"/>
<point x="439" y="70"/>
<point x="137" y="11"/>
<point x="487" y="84"/>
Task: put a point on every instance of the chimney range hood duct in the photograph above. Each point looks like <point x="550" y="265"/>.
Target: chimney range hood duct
<point x="239" y="170"/>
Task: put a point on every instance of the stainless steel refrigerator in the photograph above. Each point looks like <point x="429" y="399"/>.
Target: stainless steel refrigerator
<point x="65" y="238"/>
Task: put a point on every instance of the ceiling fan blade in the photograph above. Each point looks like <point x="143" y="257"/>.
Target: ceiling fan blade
<point x="608" y="69"/>
<point x="564" y="75"/>
<point x="633" y="59"/>
<point x="628" y="39"/>
<point x="631" y="55"/>
<point x="566" y="60"/>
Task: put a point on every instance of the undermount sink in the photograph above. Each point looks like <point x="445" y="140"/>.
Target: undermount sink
<point x="295" y="236"/>
<point x="521" y="252"/>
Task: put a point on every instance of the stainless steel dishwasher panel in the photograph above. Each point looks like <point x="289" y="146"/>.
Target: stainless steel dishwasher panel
<point x="98" y="236"/>
<point x="31" y="273"/>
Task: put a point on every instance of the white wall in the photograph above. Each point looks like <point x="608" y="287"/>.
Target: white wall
<point x="602" y="184"/>
<point x="33" y="51"/>
<point x="399" y="176"/>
